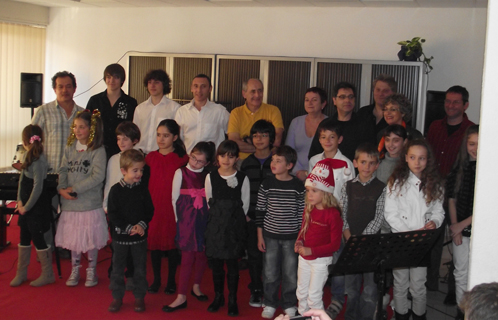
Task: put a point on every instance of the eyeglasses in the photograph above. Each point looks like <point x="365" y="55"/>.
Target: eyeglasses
<point x="260" y="135"/>
<point x="201" y="162"/>
<point x="343" y="97"/>
<point x="390" y="110"/>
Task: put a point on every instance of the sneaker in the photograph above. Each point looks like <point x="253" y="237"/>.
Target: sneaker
<point x="268" y="312"/>
<point x="74" y="278"/>
<point x="333" y="309"/>
<point x="291" y="312"/>
<point x="91" y="278"/>
<point x="256" y="299"/>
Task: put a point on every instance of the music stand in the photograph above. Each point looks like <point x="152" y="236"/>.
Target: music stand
<point x="378" y="252"/>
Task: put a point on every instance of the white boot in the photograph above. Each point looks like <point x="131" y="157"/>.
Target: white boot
<point x="74" y="278"/>
<point x="91" y="277"/>
<point x="47" y="274"/>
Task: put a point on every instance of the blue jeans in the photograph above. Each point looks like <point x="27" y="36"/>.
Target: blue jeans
<point x="361" y="307"/>
<point x="139" y="254"/>
<point x="280" y="268"/>
<point x="338" y="283"/>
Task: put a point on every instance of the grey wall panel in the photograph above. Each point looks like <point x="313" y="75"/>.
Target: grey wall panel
<point x="232" y="72"/>
<point x="139" y="66"/>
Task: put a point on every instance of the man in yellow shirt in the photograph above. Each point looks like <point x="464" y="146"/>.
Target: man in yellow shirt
<point x="242" y="118"/>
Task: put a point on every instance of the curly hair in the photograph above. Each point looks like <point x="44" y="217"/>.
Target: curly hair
<point x="405" y="106"/>
<point x="432" y="184"/>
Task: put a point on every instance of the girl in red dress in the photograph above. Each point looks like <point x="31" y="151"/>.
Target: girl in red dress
<point x="162" y="229"/>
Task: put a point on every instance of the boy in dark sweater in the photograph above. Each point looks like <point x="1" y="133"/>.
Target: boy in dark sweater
<point x="257" y="168"/>
<point x="362" y="202"/>
<point x="279" y="213"/>
<point x="130" y="210"/>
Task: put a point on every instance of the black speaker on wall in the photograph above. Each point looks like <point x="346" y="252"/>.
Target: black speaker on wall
<point x="31" y="90"/>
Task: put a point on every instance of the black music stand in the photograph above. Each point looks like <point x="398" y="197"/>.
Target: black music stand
<point x="376" y="253"/>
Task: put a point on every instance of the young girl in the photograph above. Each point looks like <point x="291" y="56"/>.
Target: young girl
<point x="32" y="205"/>
<point x="414" y="201"/>
<point x="228" y="193"/>
<point x="162" y="229"/>
<point x="395" y="138"/>
<point x="191" y="213"/>
<point x="82" y="224"/>
<point x="460" y="193"/>
<point x="320" y="234"/>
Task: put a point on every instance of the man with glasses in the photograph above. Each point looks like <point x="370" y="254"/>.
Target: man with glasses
<point x="201" y="119"/>
<point x="445" y="136"/>
<point x="355" y="130"/>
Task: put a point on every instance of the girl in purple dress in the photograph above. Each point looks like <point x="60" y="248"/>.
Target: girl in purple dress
<point x="191" y="212"/>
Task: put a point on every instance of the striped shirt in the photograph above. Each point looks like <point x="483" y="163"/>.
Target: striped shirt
<point x="280" y="207"/>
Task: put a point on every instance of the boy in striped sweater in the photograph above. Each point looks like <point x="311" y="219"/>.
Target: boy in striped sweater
<point x="279" y="212"/>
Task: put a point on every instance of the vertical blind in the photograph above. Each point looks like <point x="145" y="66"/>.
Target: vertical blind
<point x="139" y="66"/>
<point x="185" y="69"/>
<point x="22" y="49"/>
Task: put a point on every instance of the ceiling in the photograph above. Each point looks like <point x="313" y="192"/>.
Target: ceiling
<point x="259" y="3"/>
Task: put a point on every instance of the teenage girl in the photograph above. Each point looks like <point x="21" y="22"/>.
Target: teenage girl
<point x="34" y="209"/>
<point x="191" y="213"/>
<point x="162" y="229"/>
<point x="414" y="201"/>
<point x="320" y="234"/>
<point x="395" y="138"/>
<point x="228" y="193"/>
<point x="82" y="224"/>
<point x="460" y="193"/>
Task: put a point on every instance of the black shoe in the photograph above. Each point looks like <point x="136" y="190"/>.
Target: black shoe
<point x="170" y="289"/>
<point x="154" y="287"/>
<point x="201" y="297"/>
<point x="218" y="302"/>
<point x="233" y="309"/>
<point x="460" y="315"/>
<point x="256" y="299"/>
<point x="450" y="299"/>
<point x="171" y="309"/>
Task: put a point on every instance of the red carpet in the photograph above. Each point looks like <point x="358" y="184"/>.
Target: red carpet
<point x="57" y="301"/>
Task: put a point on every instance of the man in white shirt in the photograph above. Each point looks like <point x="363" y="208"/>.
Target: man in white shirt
<point x="149" y="113"/>
<point x="201" y="119"/>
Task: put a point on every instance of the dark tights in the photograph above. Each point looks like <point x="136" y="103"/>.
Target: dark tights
<point x="36" y="237"/>
<point x="173" y="262"/>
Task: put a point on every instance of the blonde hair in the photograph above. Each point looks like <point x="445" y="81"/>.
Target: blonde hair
<point x="328" y="201"/>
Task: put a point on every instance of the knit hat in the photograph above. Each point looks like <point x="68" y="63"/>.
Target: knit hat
<point x="322" y="175"/>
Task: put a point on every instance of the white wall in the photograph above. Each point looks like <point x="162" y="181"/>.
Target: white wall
<point x="85" y="41"/>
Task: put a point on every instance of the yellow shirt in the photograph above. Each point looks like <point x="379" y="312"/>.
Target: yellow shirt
<point x="242" y="119"/>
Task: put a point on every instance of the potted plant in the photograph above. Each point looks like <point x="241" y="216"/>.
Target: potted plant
<point x="411" y="50"/>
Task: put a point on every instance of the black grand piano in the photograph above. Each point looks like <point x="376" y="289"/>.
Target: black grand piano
<point x="9" y="182"/>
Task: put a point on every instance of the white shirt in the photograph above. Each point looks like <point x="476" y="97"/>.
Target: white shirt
<point x="406" y="210"/>
<point x="147" y="117"/>
<point x="341" y="175"/>
<point x="245" y="191"/>
<point x="209" y="124"/>
<point x="113" y="175"/>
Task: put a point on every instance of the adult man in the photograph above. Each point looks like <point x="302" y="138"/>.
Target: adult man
<point x="56" y="118"/>
<point x="114" y="105"/>
<point x="445" y="136"/>
<point x="355" y="130"/>
<point x="149" y="113"/>
<point x="201" y="119"/>
<point x="242" y="118"/>
<point x="384" y="86"/>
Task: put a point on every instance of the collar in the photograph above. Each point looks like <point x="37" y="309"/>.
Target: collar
<point x="80" y="147"/>
<point x="414" y="180"/>
<point x="192" y="106"/>
<point x="248" y="111"/>
<point x="194" y="170"/>
<point x="357" y="179"/>
<point x="123" y="183"/>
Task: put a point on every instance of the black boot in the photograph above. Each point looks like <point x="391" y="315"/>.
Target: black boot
<point x="155" y="257"/>
<point x="405" y="316"/>
<point x="233" y="284"/>
<point x="422" y="317"/>
<point x="219" y="283"/>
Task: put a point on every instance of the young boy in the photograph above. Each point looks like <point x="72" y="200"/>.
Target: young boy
<point x="257" y="168"/>
<point x="279" y="213"/>
<point x="130" y="210"/>
<point x="330" y="138"/>
<point x="362" y="203"/>
<point x="128" y="135"/>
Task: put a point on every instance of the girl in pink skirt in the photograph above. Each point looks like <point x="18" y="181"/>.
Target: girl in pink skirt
<point x="82" y="224"/>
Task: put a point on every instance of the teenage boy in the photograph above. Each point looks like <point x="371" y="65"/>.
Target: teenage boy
<point x="128" y="135"/>
<point x="330" y="137"/>
<point x="362" y="203"/>
<point x="114" y="105"/>
<point x="279" y="213"/>
<point x="257" y="168"/>
<point x="130" y="210"/>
